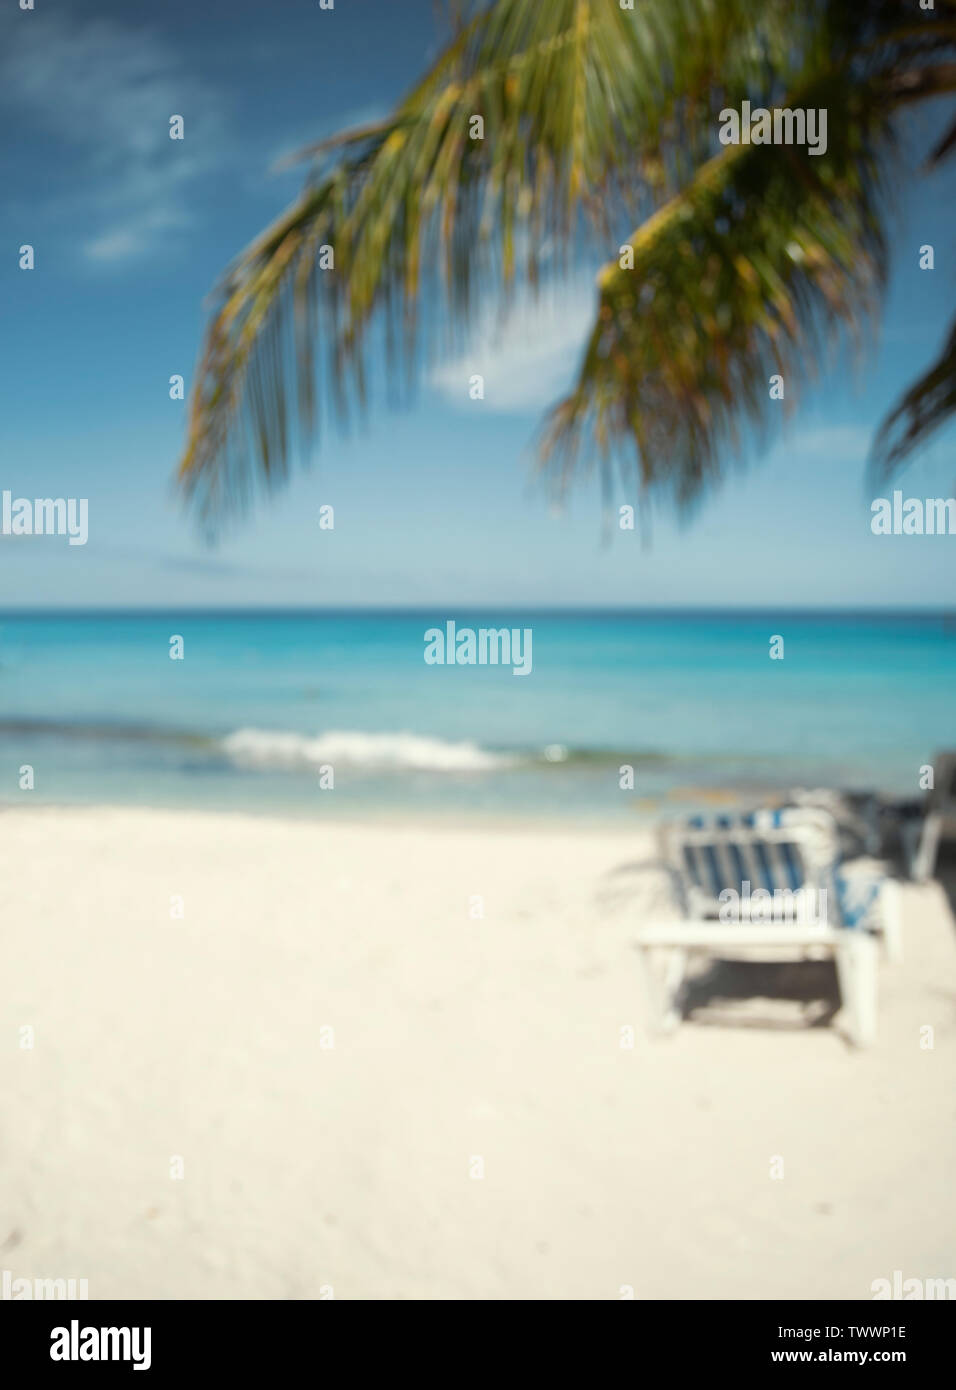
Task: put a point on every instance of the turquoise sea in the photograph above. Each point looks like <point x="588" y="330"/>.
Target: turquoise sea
<point x="262" y="702"/>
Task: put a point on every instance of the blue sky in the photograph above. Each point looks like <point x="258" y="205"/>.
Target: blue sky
<point x="435" y="503"/>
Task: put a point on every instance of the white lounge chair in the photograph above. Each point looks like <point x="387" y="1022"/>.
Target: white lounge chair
<point x="939" y="822"/>
<point x="816" y="911"/>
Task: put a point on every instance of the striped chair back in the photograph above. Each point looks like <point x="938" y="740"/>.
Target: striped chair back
<point x="794" y="850"/>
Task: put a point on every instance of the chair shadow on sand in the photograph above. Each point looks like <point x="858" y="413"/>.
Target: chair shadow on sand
<point x="774" y="996"/>
<point x="777" y="996"/>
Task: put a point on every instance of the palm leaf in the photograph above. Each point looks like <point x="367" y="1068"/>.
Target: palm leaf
<point x="592" y="115"/>
<point x="588" y="110"/>
<point x="928" y="405"/>
<point x="752" y="270"/>
<point x="744" y="275"/>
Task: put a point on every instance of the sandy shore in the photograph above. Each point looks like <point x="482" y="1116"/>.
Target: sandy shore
<point x="457" y="1037"/>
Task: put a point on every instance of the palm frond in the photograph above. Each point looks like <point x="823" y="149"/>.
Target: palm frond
<point x="925" y="408"/>
<point x="588" y="109"/>
<point x="592" y="114"/>
<point x="743" y="275"/>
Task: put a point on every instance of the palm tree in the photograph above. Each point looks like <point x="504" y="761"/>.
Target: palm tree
<point x="596" y="116"/>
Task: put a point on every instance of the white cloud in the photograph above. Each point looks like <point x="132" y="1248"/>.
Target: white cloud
<point x="842" y="443"/>
<point x="116" y="246"/>
<point x="529" y="361"/>
<point x="106" y="90"/>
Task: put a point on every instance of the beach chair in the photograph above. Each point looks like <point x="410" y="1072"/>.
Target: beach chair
<point x="922" y="838"/>
<point x="858" y="817"/>
<point x="769" y="886"/>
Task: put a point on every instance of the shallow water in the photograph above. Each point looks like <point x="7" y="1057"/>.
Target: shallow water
<point x="263" y="705"/>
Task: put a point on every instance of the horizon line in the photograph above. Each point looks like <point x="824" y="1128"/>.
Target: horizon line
<point x="471" y="607"/>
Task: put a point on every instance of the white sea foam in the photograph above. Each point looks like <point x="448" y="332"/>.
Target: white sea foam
<point x="275" y="748"/>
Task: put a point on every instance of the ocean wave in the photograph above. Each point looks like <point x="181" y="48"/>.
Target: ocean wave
<point x="285" y="749"/>
<point x="398" y="751"/>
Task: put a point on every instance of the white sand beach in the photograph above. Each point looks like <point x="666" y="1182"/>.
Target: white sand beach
<point x="311" y="1168"/>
